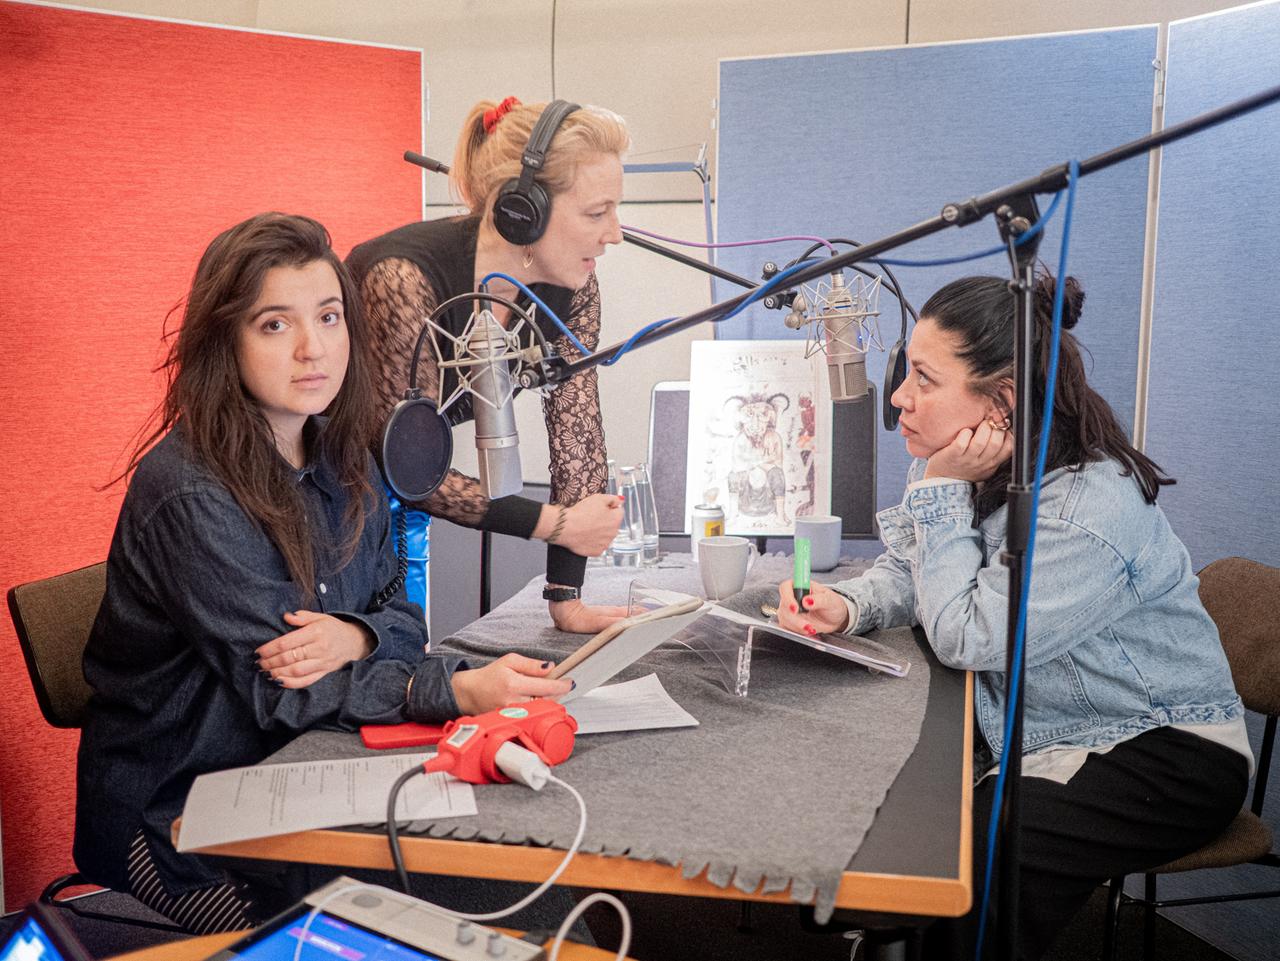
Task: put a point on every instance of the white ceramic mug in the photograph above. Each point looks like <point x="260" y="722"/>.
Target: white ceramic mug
<point x="723" y="563"/>
<point x="823" y="532"/>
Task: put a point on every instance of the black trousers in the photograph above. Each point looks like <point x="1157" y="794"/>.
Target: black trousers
<point x="1145" y="802"/>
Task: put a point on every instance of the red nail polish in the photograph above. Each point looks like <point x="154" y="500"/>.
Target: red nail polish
<point x="808" y="602"/>
<point x="794" y="609"/>
<point x="808" y="629"/>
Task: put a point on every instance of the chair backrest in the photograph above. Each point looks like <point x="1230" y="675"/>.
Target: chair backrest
<point x="53" y="618"/>
<point x="1243" y="598"/>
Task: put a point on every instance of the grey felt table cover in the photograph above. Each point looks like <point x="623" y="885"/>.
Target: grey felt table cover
<point x="779" y="786"/>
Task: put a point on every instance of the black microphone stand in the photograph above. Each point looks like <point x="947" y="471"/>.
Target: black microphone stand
<point x="958" y="214"/>
<point x="1014" y="220"/>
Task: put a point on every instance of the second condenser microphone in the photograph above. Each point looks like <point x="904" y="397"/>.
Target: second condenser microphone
<point x="846" y="353"/>
<point x="497" y="445"/>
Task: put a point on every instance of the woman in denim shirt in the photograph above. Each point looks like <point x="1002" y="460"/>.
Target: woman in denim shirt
<point x="251" y="582"/>
<point x="1134" y="744"/>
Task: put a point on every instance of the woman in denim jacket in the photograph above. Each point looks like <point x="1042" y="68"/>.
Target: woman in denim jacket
<point x="1134" y="745"/>
<point x="251" y="584"/>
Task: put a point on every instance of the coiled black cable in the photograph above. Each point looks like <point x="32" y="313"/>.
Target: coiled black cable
<point x="402" y="560"/>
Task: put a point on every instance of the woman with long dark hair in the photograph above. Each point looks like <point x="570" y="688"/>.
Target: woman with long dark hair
<point x="251" y="582"/>
<point x="1134" y="745"/>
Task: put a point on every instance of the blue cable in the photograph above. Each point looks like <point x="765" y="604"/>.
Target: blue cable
<point x="545" y="309"/>
<point x="765" y="289"/>
<point x="774" y="282"/>
<point x="1042" y="454"/>
<point x="990" y="251"/>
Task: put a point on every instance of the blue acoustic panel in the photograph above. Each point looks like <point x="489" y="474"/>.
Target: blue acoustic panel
<point x="1212" y="420"/>
<point x="862" y="144"/>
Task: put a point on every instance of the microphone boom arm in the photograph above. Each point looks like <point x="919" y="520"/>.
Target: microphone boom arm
<point x="959" y="214"/>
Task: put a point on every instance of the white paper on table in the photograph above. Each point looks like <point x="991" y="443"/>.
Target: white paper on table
<point x="256" y="802"/>
<point x="639" y="705"/>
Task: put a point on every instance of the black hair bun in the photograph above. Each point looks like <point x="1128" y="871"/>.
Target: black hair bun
<point x="1072" y="300"/>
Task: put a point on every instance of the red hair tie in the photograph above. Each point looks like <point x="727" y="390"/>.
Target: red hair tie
<point x="493" y="115"/>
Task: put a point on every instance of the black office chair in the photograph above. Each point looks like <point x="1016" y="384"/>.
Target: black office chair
<point x="1243" y="598"/>
<point x="53" y="618"/>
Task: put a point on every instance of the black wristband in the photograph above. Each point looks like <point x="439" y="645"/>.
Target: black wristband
<point x="550" y="593"/>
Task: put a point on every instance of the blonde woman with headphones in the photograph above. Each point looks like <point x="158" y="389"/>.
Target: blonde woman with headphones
<point x="545" y="224"/>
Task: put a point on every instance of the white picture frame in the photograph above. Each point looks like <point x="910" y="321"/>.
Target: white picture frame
<point x="759" y="434"/>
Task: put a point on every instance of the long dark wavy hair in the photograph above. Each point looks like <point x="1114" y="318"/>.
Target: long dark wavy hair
<point x="980" y="312"/>
<point x="225" y="427"/>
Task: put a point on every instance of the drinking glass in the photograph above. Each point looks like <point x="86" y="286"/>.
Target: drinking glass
<point x="648" y="513"/>
<point x="627" y="549"/>
<point x="610" y="487"/>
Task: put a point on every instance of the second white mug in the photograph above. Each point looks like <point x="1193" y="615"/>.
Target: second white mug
<point x="723" y="563"/>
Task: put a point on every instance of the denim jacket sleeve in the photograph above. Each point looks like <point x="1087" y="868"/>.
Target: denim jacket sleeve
<point x="181" y="557"/>
<point x="1078" y="581"/>
<point x="884" y="595"/>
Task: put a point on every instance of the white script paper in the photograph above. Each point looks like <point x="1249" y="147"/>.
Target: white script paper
<point x="256" y="802"/>
<point x="636" y="705"/>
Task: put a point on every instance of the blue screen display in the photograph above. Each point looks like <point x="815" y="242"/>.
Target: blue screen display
<point x="30" y="943"/>
<point x="328" y="939"/>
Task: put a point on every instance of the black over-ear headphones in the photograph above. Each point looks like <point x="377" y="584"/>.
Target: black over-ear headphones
<point x="523" y="206"/>
<point x="895" y="372"/>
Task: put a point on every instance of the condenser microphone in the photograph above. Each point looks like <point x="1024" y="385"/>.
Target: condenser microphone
<point x="497" y="445"/>
<point x="846" y="352"/>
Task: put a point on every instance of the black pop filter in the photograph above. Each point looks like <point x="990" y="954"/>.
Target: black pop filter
<point x="417" y="447"/>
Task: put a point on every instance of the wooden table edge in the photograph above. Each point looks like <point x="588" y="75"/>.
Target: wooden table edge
<point x="892" y="893"/>
<point x="944" y="897"/>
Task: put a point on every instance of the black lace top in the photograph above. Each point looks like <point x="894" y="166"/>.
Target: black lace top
<point x="403" y="275"/>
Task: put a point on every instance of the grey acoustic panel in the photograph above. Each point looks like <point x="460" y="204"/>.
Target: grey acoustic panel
<point x="1212" y="415"/>
<point x="455" y="569"/>
<point x="668" y="453"/>
<point x="853" y="464"/>
<point x="861" y="144"/>
<point x="514" y="561"/>
<point x="454" y="573"/>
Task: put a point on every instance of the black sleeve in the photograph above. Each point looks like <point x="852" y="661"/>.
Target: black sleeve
<point x="229" y="603"/>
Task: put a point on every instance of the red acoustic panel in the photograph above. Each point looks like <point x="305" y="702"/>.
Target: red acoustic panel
<point x="127" y="145"/>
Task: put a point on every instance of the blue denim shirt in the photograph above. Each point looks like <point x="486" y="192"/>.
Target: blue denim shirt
<point x="194" y="586"/>
<point x="1117" y="640"/>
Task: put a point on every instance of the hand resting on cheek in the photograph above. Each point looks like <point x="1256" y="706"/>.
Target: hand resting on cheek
<point x="974" y="455"/>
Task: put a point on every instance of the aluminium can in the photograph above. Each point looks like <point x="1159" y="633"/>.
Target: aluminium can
<point x="707" y="521"/>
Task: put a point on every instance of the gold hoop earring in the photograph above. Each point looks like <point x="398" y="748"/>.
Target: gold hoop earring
<point x="527" y="262"/>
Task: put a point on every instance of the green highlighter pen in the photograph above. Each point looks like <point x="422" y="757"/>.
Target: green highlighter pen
<point x="800" y="576"/>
